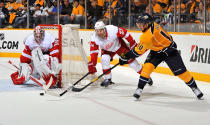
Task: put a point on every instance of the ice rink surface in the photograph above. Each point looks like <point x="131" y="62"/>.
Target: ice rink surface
<point x="168" y="102"/>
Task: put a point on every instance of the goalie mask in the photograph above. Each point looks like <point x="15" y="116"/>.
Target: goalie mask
<point x="39" y="34"/>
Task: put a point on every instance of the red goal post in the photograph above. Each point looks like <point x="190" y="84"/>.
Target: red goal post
<point x="59" y="30"/>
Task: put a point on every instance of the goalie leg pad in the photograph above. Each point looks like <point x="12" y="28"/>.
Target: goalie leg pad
<point x="40" y="63"/>
<point x="25" y="70"/>
<point x="55" y="65"/>
<point x="47" y="80"/>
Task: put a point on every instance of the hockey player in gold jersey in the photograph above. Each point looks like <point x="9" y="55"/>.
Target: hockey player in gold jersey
<point x="162" y="48"/>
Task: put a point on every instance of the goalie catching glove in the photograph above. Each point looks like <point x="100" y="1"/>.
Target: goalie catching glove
<point x="91" y="68"/>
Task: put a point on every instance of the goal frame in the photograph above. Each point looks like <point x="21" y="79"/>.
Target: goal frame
<point x="59" y="28"/>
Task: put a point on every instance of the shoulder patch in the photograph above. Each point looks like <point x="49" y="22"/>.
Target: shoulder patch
<point x="121" y="32"/>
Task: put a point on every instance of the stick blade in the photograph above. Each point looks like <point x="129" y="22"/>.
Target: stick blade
<point x="77" y="89"/>
<point x="52" y="93"/>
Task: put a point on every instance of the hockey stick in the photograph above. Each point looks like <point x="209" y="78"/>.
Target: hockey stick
<point x="39" y="82"/>
<point x="69" y="88"/>
<point x="4" y="66"/>
<point x="80" y="89"/>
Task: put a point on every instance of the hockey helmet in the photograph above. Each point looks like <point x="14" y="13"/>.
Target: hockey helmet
<point x="144" y="18"/>
<point x="39" y="34"/>
<point x="99" y="25"/>
<point x="100" y="29"/>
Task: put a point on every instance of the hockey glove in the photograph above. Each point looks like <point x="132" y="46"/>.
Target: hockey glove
<point x="123" y="59"/>
<point x="91" y="68"/>
<point x="16" y="79"/>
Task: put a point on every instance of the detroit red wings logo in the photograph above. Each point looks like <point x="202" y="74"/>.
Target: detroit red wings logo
<point x="108" y="45"/>
<point x="121" y="32"/>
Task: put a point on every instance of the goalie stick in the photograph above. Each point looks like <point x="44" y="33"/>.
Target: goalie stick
<point x="80" y="89"/>
<point x="39" y="82"/>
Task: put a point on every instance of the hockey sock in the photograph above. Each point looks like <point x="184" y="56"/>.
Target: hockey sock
<point x="186" y="76"/>
<point x="192" y="83"/>
<point x="142" y="82"/>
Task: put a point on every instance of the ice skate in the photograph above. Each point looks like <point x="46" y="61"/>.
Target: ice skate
<point x="150" y="82"/>
<point x="107" y="82"/>
<point x="137" y="93"/>
<point x="198" y="93"/>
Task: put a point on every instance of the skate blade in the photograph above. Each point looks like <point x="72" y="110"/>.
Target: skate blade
<point x="201" y="98"/>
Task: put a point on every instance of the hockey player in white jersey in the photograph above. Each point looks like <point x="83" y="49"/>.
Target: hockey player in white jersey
<point x="40" y="56"/>
<point x="109" y="39"/>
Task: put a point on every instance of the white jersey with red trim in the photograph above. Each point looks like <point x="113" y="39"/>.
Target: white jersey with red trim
<point x="111" y="43"/>
<point x="48" y="45"/>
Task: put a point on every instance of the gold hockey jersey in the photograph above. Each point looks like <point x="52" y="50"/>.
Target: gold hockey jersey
<point x="155" y="38"/>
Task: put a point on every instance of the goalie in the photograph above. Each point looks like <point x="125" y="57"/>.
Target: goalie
<point x="110" y="39"/>
<point x="39" y="57"/>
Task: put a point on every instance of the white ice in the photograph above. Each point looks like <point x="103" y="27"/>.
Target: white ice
<point x="168" y="102"/>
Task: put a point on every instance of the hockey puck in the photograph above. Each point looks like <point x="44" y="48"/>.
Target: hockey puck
<point x="42" y="94"/>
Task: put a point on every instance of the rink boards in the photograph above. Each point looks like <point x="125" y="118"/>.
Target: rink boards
<point x="194" y="49"/>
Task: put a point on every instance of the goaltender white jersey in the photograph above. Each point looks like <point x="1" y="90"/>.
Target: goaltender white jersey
<point x="49" y="45"/>
<point x="45" y="45"/>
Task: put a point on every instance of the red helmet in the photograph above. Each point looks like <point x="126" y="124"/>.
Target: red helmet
<point x="39" y="34"/>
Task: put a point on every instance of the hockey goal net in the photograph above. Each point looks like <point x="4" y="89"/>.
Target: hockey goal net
<point x="71" y="53"/>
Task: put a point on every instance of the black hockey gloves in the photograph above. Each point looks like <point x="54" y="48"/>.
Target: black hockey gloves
<point x="123" y="59"/>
